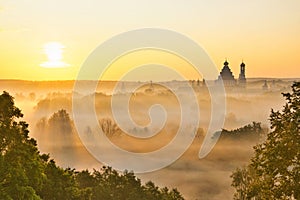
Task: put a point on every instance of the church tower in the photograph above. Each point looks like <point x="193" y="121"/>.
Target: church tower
<point x="226" y="75"/>
<point x="242" y="76"/>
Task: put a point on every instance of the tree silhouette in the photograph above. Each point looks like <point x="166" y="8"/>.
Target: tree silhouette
<point x="252" y="131"/>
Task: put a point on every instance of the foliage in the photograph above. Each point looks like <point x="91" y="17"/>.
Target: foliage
<point x="108" y="184"/>
<point x="109" y="127"/>
<point x="21" y="168"/>
<point x="252" y="131"/>
<point x="27" y="174"/>
<point x="61" y="122"/>
<point x="274" y="170"/>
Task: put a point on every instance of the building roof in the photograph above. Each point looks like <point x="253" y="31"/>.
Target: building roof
<point x="226" y="73"/>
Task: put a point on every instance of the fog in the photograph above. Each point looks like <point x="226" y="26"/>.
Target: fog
<point x="47" y="107"/>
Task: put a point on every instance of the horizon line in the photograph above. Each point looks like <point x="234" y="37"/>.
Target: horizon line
<point x="52" y="80"/>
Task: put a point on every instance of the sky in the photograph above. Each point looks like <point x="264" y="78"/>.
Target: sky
<point x="51" y="39"/>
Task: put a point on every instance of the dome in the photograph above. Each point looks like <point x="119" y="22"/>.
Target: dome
<point x="226" y="75"/>
<point x="242" y="64"/>
<point x="226" y="63"/>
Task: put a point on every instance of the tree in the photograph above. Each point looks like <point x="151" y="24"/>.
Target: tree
<point x="58" y="136"/>
<point x="27" y="174"/>
<point x="61" y="122"/>
<point x="274" y="170"/>
<point x="108" y="127"/>
<point x="109" y="184"/>
<point x="252" y="131"/>
<point x="21" y="167"/>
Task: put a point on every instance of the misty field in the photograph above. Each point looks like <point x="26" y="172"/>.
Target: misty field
<point x="47" y="107"/>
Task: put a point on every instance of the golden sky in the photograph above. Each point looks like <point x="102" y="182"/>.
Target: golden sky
<point x="264" y="33"/>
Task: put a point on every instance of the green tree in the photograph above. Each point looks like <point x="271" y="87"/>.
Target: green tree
<point x="60" y="183"/>
<point x="21" y="168"/>
<point x="274" y="170"/>
<point x="27" y="174"/>
<point x="24" y="172"/>
<point x="109" y="184"/>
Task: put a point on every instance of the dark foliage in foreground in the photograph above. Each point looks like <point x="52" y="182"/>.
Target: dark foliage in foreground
<point x="274" y="170"/>
<point x="27" y="174"/>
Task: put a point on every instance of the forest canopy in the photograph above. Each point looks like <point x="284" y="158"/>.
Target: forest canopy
<point x="25" y="173"/>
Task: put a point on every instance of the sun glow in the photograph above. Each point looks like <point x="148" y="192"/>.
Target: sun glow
<point x="54" y="51"/>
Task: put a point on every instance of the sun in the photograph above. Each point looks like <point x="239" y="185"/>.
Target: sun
<point x="54" y="51"/>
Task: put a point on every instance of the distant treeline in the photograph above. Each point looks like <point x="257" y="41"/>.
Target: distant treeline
<point x="252" y="131"/>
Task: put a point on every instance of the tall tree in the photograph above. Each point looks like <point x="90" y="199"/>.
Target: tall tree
<point x="21" y="168"/>
<point x="274" y="170"/>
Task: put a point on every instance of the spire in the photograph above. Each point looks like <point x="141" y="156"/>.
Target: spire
<point x="242" y="76"/>
<point x="242" y="68"/>
<point x="226" y="63"/>
<point x="243" y="64"/>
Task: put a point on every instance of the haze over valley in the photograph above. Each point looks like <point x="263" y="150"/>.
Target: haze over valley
<point x="47" y="106"/>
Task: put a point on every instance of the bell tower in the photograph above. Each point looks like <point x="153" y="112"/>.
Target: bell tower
<point x="242" y="76"/>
